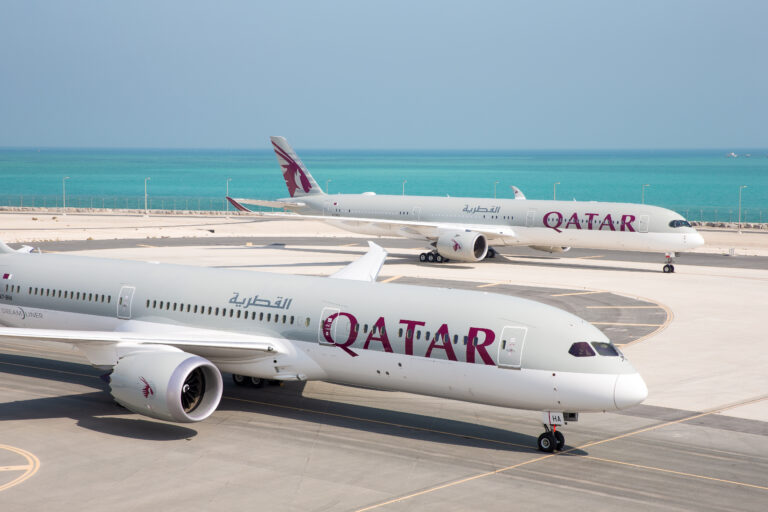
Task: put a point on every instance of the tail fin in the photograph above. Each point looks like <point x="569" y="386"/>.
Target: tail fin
<point x="297" y="177"/>
<point x="518" y="193"/>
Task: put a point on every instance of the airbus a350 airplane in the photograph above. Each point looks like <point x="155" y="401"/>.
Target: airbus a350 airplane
<point x="463" y="229"/>
<point x="166" y="332"/>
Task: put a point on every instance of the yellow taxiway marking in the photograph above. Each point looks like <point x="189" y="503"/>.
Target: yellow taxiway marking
<point x="576" y="293"/>
<point x="594" y="443"/>
<point x="49" y="369"/>
<point x="29" y="469"/>
<point x="624" y="307"/>
<point x="486" y="285"/>
<point x="349" y="245"/>
<point x="390" y="279"/>
<point x="628" y="325"/>
<point x="680" y="473"/>
<point x="589" y="257"/>
<point x="145" y="245"/>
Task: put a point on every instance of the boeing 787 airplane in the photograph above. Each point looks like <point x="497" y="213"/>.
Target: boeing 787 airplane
<point x="464" y="229"/>
<point x="166" y="332"/>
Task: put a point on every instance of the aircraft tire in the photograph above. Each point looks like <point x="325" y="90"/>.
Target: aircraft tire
<point x="546" y="442"/>
<point x="671" y="269"/>
<point x="667" y="269"/>
<point x="430" y="257"/>
<point x="560" y="441"/>
<point x="423" y="257"/>
<point x="439" y="258"/>
<point x="256" y="382"/>
<point x="240" y="380"/>
<point x="491" y="253"/>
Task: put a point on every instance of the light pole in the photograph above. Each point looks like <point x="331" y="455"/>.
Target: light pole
<point x="146" y="211"/>
<point x="554" y="190"/>
<point x="64" y="195"/>
<point x="404" y="182"/>
<point x="741" y="187"/>
<point x="642" y="197"/>
<point x="227" y="200"/>
<point x="326" y="185"/>
<point x="494" y="188"/>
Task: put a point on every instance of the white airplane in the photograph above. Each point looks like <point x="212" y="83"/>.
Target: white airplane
<point x="464" y="229"/>
<point x="166" y="332"/>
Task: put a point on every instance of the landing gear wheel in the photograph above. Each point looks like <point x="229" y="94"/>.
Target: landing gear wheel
<point x="559" y="440"/>
<point x="431" y="257"/>
<point x="439" y="258"/>
<point x="668" y="268"/>
<point x="672" y="269"/>
<point x="491" y="253"/>
<point x="257" y="382"/>
<point x="423" y="257"/>
<point x="547" y="442"/>
<point x="240" y="380"/>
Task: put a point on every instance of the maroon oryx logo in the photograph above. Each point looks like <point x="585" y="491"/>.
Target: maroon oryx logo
<point x="147" y="390"/>
<point x="292" y="169"/>
<point x="456" y="245"/>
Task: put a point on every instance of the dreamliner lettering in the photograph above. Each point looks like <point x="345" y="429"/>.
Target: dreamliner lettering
<point x="440" y="346"/>
<point x="558" y="221"/>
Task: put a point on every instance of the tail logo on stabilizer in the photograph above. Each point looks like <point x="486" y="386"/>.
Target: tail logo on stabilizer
<point x="291" y="172"/>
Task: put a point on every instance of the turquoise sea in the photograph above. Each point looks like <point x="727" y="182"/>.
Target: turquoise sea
<point x="702" y="185"/>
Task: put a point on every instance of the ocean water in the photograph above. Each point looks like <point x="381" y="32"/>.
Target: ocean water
<point x="702" y="185"/>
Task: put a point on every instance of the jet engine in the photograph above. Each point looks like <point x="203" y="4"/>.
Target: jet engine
<point x="550" y="249"/>
<point x="464" y="246"/>
<point x="167" y="385"/>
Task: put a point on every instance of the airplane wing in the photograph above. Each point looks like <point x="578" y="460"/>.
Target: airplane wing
<point x="365" y="268"/>
<point x="104" y="348"/>
<point x="419" y="230"/>
<point x="237" y="203"/>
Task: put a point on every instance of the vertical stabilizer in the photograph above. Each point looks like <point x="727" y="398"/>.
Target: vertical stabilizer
<point x="297" y="177"/>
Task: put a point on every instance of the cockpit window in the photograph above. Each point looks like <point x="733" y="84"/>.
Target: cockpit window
<point x="679" y="223"/>
<point x="581" y="349"/>
<point x="605" y="349"/>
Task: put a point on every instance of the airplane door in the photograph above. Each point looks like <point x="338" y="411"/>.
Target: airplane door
<point x="511" y="347"/>
<point x="417" y="213"/>
<point x="529" y="219"/>
<point x="333" y="327"/>
<point x="642" y="225"/>
<point x="124" y="302"/>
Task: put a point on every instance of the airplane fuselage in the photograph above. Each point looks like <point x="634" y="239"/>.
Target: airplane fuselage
<point x="479" y="347"/>
<point x="581" y="224"/>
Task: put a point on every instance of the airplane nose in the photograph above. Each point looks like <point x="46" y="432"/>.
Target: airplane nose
<point x="630" y="389"/>
<point x="695" y="240"/>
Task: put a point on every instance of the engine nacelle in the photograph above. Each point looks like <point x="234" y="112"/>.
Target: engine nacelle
<point x="550" y="249"/>
<point x="462" y="246"/>
<point x="167" y="385"/>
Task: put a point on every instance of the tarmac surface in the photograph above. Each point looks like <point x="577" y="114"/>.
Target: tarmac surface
<point x="700" y="442"/>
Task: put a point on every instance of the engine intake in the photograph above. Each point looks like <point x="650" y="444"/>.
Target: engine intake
<point x="167" y="385"/>
<point x="463" y="246"/>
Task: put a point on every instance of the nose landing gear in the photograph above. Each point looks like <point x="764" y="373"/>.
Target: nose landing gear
<point x="552" y="439"/>
<point x="669" y="267"/>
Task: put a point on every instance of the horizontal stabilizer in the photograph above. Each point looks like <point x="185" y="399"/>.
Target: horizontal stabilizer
<point x="237" y="203"/>
<point x="365" y="268"/>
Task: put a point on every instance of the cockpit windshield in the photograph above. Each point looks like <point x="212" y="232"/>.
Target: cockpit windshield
<point x="679" y="223"/>
<point x="585" y="349"/>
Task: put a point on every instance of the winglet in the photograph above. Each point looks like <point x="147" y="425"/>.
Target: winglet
<point x="4" y="249"/>
<point x="237" y="205"/>
<point x="365" y="268"/>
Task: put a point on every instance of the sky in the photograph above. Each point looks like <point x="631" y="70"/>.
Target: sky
<point x="429" y="74"/>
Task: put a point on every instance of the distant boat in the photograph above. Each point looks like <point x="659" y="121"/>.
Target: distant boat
<point x="732" y="155"/>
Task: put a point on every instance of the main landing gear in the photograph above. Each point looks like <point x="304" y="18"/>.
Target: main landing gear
<point x="242" y="380"/>
<point x="669" y="267"/>
<point x="491" y="253"/>
<point x="432" y="257"/>
<point x="552" y="439"/>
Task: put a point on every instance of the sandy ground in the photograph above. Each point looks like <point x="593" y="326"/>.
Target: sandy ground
<point x="712" y="355"/>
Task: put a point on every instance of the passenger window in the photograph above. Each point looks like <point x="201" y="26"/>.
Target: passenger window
<point x="291" y="319"/>
<point x="400" y="332"/>
<point x="605" y="349"/>
<point x="306" y="322"/>
<point x="269" y="317"/>
<point x="261" y="317"/>
<point x="581" y="349"/>
<point x="239" y="313"/>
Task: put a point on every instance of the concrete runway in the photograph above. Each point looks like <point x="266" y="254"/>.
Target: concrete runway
<point x="326" y="447"/>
